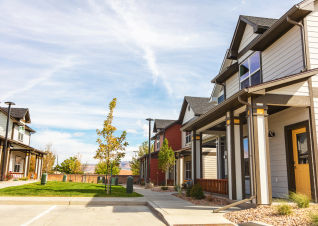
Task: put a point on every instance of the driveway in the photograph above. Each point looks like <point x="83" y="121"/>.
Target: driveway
<point x="76" y="215"/>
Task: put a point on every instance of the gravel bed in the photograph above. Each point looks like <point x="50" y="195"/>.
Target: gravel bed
<point x="268" y="214"/>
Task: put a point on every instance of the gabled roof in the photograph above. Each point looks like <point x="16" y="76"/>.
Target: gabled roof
<point x="259" y="24"/>
<point x="199" y="105"/>
<point x="162" y="124"/>
<point x="18" y="113"/>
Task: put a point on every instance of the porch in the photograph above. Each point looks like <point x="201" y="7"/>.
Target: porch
<point x="268" y="147"/>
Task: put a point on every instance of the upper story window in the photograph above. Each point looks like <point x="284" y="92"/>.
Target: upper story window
<point x="21" y="132"/>
<point x="188" y="137"/>
<point x="221" y="97"/>
<point x="250" y="71"/>
<point x="158" y="143"/>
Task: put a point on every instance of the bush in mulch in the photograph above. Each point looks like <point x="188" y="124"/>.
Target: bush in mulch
<point x="314" y="219"/>
<point x="164" y="188"/>
<point x="301" y="200"/>
<point x="197" y="192"/>
<point x="284" y="209"/>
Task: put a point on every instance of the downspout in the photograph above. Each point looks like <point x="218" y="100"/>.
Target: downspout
<point x="301" y="26"/>
<point x="251" y="155"/>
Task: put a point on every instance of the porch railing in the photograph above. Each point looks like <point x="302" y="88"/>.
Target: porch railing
<point x="219" y="186"/>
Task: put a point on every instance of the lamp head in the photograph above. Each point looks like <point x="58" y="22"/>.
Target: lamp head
<point x="9" y="103"/>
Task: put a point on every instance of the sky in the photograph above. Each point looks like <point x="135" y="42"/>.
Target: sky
<point x="66" y="60"/>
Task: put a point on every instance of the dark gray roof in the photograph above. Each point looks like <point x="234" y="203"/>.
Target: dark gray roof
<point x="199" y="104"/>
<point x="18" y="113"/>
<point x="162" y="123"/>
<point x="260" y="21"/>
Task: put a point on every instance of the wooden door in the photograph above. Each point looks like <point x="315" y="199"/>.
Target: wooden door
<point x="301" y="161"/>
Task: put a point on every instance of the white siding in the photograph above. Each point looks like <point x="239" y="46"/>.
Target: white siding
<point x="276" y="123"/>
<point x="312" y="28"/>
<point x="298" y="89"/>
<point x="232" y="85"/>
<point x="283" y="57"/>
<point x="248" y="36"/>
<point x="3" y="124"/>
<point x="209" y="164"/>
<point x="189" y="114"/>
<point x="26" y="138"/>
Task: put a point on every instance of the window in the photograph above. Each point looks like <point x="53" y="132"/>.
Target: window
<point x="221" y="98"/>
<point x="188" y="170"/>
<point x="21" y="133"/>
<point x="158" y="143"/>
<point x="188" y="137"/>
<point x="18" y="164"/>
<point x="250" y="71"/>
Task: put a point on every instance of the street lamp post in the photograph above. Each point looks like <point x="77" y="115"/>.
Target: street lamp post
<point x="5" y="146"/>
<point x="149" y="151"/>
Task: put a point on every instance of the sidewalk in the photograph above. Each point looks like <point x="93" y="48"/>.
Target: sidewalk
<point x="176" y="211"/>
<point x="11" y="183"/>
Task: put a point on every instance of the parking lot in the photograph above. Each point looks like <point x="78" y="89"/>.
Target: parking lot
<point x="76" y="215"/>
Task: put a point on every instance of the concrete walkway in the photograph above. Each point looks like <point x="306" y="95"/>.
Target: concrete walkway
<point x="176" y="211"/>
<point x="11" y="183"/>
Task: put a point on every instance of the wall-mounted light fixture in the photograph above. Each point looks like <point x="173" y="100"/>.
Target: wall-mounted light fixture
<point x="271" y="133"/>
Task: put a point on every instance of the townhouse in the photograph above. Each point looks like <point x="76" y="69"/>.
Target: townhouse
<point x="267" y="106"/>
<point x="19" y="152"/>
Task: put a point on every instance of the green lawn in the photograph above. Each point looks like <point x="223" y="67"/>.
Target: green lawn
<point x="65" y="189"/>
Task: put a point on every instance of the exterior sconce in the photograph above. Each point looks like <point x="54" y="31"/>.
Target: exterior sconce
<point x="271" y="133"/>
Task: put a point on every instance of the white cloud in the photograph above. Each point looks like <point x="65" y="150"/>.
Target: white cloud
<point x="65" y="145"/>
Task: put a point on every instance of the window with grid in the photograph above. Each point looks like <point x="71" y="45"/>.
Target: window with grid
<point x="158" y="143"/>
<point x="250" y="71"/>
<point x="21" y="132"/>
<point x="188" y="170"/>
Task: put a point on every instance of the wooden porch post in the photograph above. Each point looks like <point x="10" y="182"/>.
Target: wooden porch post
<point x="196" y="156"/>
<point x="261" y="150"/>
<point x="231" y="155"/>
<point x="238" y="158"/>
<point x="26" y="163"/>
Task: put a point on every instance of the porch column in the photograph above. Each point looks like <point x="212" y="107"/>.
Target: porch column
<point x="8" y="156"/>
<point x="230" y="154"/>
<point x="36" y="165"/>
<point x="26" y="164"/>
<point x="263" y="187"/>
<point x="238" y="158"/>
<point x="181" y="170"/>
<point x="195" y="151"/>
<point x="219" y="158"/>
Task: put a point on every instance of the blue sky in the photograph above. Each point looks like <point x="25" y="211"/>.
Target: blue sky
<point x="65" y="60"/>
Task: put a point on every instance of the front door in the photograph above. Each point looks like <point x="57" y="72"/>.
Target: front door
<point x="301" y="161"/>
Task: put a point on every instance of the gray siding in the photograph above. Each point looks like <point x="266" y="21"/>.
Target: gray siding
<point x="312" y="29"/>
<point x="283" y="57"/>
<point x="248" y="36"/>
<point x="209" y="166"/>
<point x="232" y="85"/>
<point x="276" y="123"/>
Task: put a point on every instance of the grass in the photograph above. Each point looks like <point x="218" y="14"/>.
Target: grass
<point x="65" y="189"/>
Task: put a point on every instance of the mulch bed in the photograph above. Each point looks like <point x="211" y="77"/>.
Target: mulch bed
<point x="158" y="189"/>
<point x="268" y="214"/>
<point x="209" y="200"/>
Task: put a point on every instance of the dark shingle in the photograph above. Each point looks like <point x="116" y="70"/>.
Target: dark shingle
<point x="162" y="123"/>
<point x="260" y="21"/>
<point x="199" y="104"/>
<point x="17" y="113"/>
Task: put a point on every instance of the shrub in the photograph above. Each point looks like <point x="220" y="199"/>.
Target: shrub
<point x="23" y="178"/>
<point x="301" y="200"/>
<point x="284" y="209"/>
<point x="314" y="219"/>
<point x="99" y="181"/>
<point x="188" y="192"/>
<point x="165" y="188"/>
<point x="15" y="179"/>
<point x="197" y="192"/>
<point x="210" y="198"/>
<point x="178" y="189"/>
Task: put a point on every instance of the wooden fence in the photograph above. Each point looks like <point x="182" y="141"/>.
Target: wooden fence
<point x="89" y="178"/>
<point x="219" y="186"/>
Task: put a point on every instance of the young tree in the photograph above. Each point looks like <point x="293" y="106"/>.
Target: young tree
<point x="101" y="168"/>
<point x="111" y="147"/>
<point x="135" y="163"/>
<point x="48" y="159"/>
<point x="166" y="157"/>
<point x="71" y="165"/>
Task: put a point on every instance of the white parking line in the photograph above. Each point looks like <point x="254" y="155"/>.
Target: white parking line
<point x="38" y="216"/>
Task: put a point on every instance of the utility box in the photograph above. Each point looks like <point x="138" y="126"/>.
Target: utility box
<point x="64" y="178"/>
<point x="44" y="179"/>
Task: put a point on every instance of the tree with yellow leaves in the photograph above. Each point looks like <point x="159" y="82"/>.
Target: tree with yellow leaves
<point x="111" y="148"/>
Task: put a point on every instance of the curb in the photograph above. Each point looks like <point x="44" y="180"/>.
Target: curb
<point x="88" y="203"/>
<point x="157" y="212"/>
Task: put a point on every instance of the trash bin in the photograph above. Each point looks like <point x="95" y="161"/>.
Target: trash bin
<point x="64" y="178"/>
<point x="113" y="180"/>
<point x="44" y="179"/>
